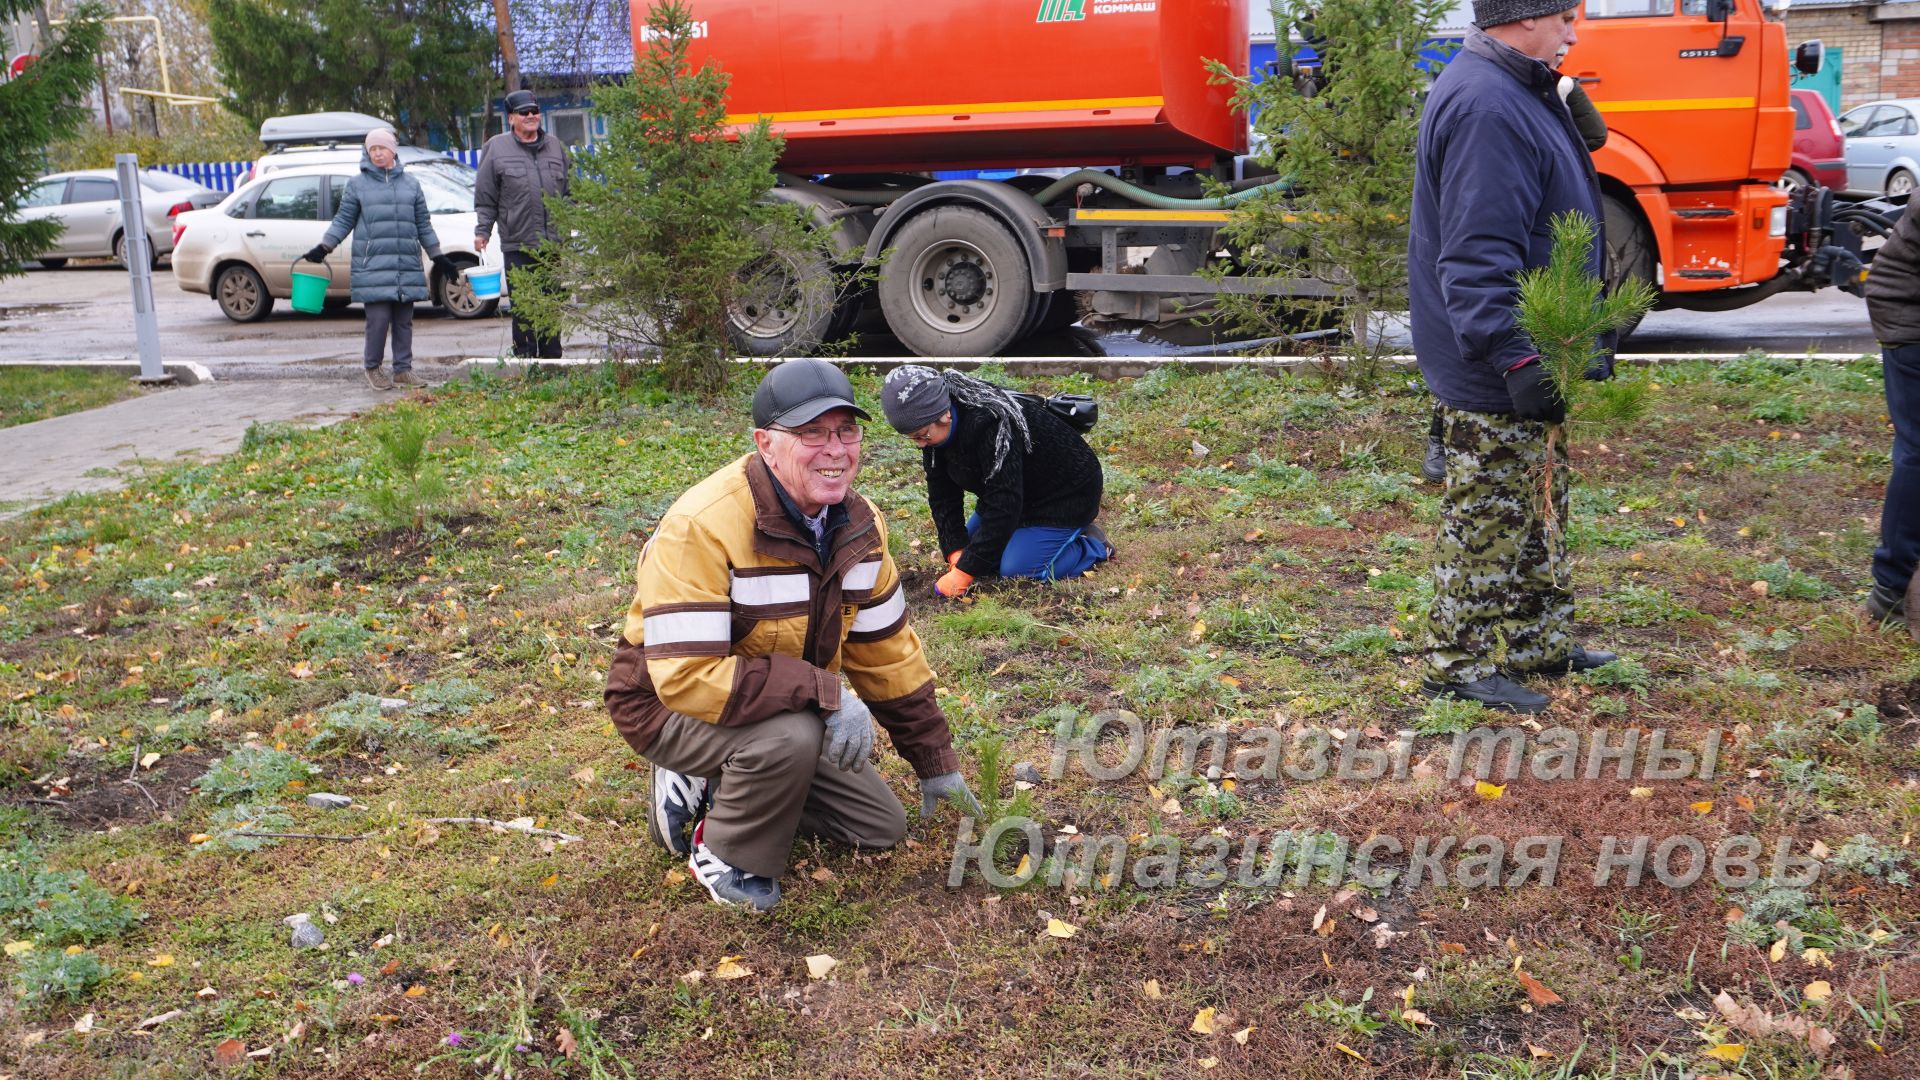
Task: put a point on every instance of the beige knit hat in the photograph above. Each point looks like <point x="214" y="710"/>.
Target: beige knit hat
<point x="383" y="137"/>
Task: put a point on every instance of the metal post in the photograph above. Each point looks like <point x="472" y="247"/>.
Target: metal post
<point x="133" y="222"/>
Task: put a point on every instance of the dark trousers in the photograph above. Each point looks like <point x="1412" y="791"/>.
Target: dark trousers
<point x="384" y="316"/>
<point x="1894" y="561"/>
<point x="526" y="343"/>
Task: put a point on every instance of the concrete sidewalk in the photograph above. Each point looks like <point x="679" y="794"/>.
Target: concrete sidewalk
<point x="98" y="449"/>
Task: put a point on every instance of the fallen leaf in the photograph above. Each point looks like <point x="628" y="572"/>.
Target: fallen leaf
<point x="1704" y="806"/>
<point x="1488" y="791"/>
<point x="550" y="881"/>
<point x="162" y="960"/>
<point x="1819" y="850"/>
<point x="206" y="993"/>
<point x="15" y="948"/>
<point x="1243" y="1034"/>
<point x="729" y="967"/>
<point x="1453" y="947"/>
<point x="1059" y="929"/>
<point x="1817" y="958"/>
<point x="1198" y="631"/>
<point x="584" y="777"/>
<point x="1351" y="1052"/>
<point x="1415" y="1016"/>
<point x="1778" y="952"/>
<point x="83" y="1025"/>
<point x="1319" y="917"/>
<point x="229" y="1053"/>
<point x="819" y="965"/>
<point x="1640" y="792"/>
<point x="1728" y="1051"/>
<point x="568" y="1045"/>
<point x="1202" y="1022"/>
<point x="693" y="977"/>
<point x="148" y="759"/>
<point x="1537" y="991"/>
<point x="1820" y="1039"/>
<point x="416" y="990"/>
<point x="1817" y="990"/>
<point x="1538" y="1053"/>
<point x="301" y="670"/>
<point x="1151" y="988"/>
<point x="1209" y="1063"/>
<point x="1744" y="802"/>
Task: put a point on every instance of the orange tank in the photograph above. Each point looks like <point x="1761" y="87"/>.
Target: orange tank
<point x="916" y="86"/>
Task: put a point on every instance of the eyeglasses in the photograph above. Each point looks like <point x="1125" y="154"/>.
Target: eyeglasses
<point x="848" y="434"/>
<point x="535" y="111"/>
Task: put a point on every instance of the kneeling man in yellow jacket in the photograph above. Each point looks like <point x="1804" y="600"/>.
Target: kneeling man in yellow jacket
<point x="762" y="586"/>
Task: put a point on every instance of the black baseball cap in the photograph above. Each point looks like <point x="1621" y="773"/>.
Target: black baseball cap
<point x="522" y="99"/>
<point x="799" y="390"/>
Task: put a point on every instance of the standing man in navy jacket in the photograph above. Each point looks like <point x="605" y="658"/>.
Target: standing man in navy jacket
<point x="1499" y="157"/>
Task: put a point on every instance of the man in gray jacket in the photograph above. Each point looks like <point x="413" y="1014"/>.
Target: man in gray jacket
<point x="1893" y="304"/>
<point x="519" y="168"/>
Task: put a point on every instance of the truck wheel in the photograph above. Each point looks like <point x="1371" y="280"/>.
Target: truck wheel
<point x="785" y="306"/>
<point x="957" y="284"/>
<point x="1630" y="251"/>
<point x="1899" y="182"/>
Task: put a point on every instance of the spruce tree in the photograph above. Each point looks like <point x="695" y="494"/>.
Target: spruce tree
<point x="670" y="223"/>
<point x="45" y="103"/>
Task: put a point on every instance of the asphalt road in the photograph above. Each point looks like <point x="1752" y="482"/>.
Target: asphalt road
<point x="84" y="311"/>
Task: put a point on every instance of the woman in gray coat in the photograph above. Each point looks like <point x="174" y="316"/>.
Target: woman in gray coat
<point x="386" y="211"/>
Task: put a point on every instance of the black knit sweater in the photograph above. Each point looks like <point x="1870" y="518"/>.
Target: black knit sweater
<point x="1058" y="482"/>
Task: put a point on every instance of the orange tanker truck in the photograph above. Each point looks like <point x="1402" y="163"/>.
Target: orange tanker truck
<point x="872" y="98"/>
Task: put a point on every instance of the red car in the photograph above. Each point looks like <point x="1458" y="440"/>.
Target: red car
<point x="1819" y="152"/>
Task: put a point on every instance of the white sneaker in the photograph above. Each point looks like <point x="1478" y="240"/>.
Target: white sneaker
<point x="677" y="801"/>
<point x="728" y="886"/>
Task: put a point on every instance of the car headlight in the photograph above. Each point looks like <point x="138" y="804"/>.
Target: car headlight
<point x="1777" y="221"/>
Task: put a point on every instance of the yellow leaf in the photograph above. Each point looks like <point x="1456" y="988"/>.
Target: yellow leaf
<point x="550" y="881"/>
<point x="729" y="967"/>
<point x="1704" y="806"/>
<point x="1728" y="1051"/>
<point x="1538" y="1052"/>
<point x="147" y="759"/>
<point x="1026" y="864"/>
<point x="1242" y="1035"/>
<point x="1406" y="996"/>
<point x="1199" y="630"/>
<point x="199" y="838"/>
<point x="162" y="960"/>
<point x="1641" y="792"/>
<point x="1151" y="988"/>
<point x="1817" y="990"/>
<point x="1415" y="1016"/>
<point x="1488" y="791"/>
<point x="1816" y="957"/>
<point x="1209" y="1063"/>
<point x="1202" y="1022"/>
<point x="416" y="990"/>
<point x="818" y="966"/>
<point x="74" y="950"/>
<point x="15" y="948"/>
<point x="1059" y="929"/>
<point x="1778" y="952"/>
<point x="1351" y="1052"/>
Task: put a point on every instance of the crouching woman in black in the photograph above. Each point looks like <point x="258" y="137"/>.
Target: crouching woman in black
<point x="1036" y="481"/>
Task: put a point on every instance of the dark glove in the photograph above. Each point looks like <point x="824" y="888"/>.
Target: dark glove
<point x="445" y="266"/>
<point x="315" y="253"/>
<point x="849" y="736"/>
<point x="1533" y="394"/>
<point x="950" y="787"/>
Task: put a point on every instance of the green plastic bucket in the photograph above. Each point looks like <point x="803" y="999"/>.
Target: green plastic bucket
<point x="310" y="290"/>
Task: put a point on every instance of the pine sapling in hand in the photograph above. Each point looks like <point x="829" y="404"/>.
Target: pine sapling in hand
<point x="1564" y="310"/>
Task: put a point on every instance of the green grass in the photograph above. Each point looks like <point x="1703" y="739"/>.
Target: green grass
<point x="235" y="625"/>
<point x="29" y="394"/>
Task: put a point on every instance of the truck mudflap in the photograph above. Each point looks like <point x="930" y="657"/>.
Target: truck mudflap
<point x="1040" y="236"/>
<point x="1826" y="246"/>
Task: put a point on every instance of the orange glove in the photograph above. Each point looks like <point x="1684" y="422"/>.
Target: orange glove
<point x="953" y="583"/>
<point x="953" y="558"/>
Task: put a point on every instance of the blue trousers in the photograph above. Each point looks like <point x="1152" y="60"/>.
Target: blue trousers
<point x="1895" y="559"/>
<point x="1046" y="552"/>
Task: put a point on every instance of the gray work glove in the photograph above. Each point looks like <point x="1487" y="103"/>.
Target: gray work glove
<point x="951" y="787"/>
<point x="849" y="734"/>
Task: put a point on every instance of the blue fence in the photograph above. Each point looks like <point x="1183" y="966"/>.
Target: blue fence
<point x="218" y="175"/>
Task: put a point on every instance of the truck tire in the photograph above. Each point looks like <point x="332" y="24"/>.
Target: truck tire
<point x="1630" y="250"/>
<point x="785" y="306"/>
<point x="957" y="284"/>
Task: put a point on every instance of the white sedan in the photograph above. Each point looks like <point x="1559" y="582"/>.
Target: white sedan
<point x="242" y="252"/>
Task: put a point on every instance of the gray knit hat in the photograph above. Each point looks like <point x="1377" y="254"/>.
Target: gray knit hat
<point x="1499" y="12"/>
<point x="913" y="397"/>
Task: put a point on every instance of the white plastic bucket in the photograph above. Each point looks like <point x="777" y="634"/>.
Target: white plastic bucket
<point x="485" y="281"/>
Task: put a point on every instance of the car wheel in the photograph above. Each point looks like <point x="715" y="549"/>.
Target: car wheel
<point x="120" y="252"/>
<point x="242" y="296"/>
<point x="455" y="296"/>
<point x="1899" y="182"/>
<point x="1793" y="180"/>
<point x="52" y="264"/>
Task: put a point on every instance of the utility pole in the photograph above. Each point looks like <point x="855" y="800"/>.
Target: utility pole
<point x="509" y="55"/>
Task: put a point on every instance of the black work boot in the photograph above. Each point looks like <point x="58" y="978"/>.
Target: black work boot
<point x="1495" y="692"/>
<point x="1884" y="605"/>
<point x="1434" y="465"/>
<point x="1577" y="661"/>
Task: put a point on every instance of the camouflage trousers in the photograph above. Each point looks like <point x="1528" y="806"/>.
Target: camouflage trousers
<point x="1503" y="594"/>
